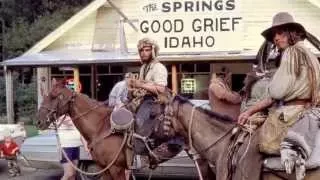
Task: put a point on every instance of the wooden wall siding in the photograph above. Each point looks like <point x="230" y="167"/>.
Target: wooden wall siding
<point x="106" y="34"/>
<point x="258" y="16"/>
<point x="78" y="37"/>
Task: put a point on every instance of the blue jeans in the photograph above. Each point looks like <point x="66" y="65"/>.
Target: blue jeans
<point x="73" y="153"/>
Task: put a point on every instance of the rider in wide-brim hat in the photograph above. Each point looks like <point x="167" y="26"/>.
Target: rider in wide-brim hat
<point x="292" y="90"/>
<point x="284" y="21"/>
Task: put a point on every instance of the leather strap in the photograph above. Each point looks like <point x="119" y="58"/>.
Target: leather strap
<point x="105" y="134"/>
<point x="298" y="102"/>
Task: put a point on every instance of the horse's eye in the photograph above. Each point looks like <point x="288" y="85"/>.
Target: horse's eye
<point x="61" y="97"/>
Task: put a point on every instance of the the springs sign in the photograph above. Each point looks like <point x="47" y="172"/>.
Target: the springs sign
<point x="192" y="26"/>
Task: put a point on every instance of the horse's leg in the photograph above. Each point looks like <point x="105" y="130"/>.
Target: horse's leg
<point x="206" y="170"/>
<point x="117" y="173"/>
<point x="106" y="176"/>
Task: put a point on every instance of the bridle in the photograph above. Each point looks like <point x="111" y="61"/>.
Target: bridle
<point x="56" y="111"/>
<point x="169" y="115"/>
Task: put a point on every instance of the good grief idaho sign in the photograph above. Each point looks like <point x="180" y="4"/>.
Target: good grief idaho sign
<point x="192" y="26"/>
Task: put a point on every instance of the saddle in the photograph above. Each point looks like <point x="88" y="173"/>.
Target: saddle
<point x="121" y="119"/>
<point x="146" y="121"/>
<point x="142" y="127"/>
<point x="274" y="163"/>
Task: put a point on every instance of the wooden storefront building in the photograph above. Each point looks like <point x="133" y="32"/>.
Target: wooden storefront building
<point x="196" y="38"/>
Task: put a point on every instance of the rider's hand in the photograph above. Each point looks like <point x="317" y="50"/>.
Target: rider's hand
<point x="138" y="83"/>
<point x="288" y="158"/>
<point x="131" y="82"/>
<point x="243" y="117"/>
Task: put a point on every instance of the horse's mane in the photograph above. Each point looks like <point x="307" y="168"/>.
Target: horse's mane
<point x="92" y="102"/>
<point x="212" y="114"/>
<point x="88" y="99"/>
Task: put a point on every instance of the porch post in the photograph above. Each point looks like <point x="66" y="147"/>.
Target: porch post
<point x="9" y="95"/>
<point x="174" y="78"/>
<point x="93" y="83"/>
<point x="43" y="83"/>
<point x="76" y="78"/>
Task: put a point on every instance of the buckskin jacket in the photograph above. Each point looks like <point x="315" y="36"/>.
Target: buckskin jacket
<point x="297" y="78"/>
<point x="291" y="80"/>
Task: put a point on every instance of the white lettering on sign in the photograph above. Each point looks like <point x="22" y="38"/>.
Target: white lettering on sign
<point x="181" y="25"/>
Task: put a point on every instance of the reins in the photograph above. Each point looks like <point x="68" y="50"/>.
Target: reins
<point x="91" y="173"/>
<point x="193" y="153"/>
<point x="53" y="113"/>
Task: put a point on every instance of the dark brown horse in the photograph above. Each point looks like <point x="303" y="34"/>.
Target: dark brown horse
<point x="211" y="136"/>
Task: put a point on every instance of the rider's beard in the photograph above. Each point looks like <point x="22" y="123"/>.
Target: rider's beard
<point x="146" y="60"/>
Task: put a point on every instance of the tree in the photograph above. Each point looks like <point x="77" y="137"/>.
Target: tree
<point x="28" y="21"/>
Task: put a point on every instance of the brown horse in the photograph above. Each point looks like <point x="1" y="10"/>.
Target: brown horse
<point x="211" y="136"/>
<point x="91" y="118"/>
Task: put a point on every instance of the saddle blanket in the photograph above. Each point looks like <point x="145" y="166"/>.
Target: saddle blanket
<point x="313" y="162"/>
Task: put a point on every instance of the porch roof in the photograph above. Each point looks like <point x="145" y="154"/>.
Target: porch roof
<point x="81" y="57"/>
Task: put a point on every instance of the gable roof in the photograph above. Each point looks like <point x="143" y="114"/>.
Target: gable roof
<point x="315" y="2"/>
<point x="70" y="23"/>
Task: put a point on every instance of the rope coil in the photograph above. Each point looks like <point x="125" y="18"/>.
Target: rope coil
<point x="90" y="173"/>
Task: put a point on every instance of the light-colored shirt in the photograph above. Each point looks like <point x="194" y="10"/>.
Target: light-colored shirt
<point x="285" y="85"/>
<point x="68" y="133"/>
<point x="154" y="72"/>
<point x="118" y="94"/>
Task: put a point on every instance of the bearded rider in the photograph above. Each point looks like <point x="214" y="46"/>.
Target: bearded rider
<point x="152" y="78"/>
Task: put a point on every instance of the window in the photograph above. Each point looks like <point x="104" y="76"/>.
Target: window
<point x="187" y="67"/>
<point x="203" y="67"/>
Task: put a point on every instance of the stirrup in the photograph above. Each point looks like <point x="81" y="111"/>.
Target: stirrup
<point x="139" y="162"/>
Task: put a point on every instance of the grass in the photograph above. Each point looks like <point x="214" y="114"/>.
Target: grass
<point x="31" y="130"/>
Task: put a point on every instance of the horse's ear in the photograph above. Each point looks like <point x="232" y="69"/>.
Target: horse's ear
<point x="58" y="82"/>
<point x="54" y="81"/>
<point x="64" y="81"/>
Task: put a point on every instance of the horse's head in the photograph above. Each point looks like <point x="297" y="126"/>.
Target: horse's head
<point x="55" y="104"/>
<point x="171" y="124"/>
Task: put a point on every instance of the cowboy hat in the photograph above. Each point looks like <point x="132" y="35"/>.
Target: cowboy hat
<point x="280" y="20"/>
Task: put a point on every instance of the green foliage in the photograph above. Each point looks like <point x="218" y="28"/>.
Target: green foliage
<point x="23" y="35"/>
<point x="31" y="130"/>
<point x="25" y="100"/>
<point x="2" y="97"/>
<point x="28" y="21"/>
